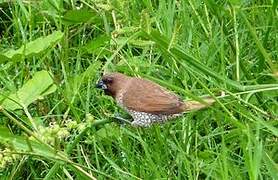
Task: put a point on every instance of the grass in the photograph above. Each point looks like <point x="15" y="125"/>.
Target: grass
<point x="55" y="125"/>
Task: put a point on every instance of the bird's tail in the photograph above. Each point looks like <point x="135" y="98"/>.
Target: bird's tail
<point x="196" y="105"/>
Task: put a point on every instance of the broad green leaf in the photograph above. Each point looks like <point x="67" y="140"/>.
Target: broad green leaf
<point x="108" y="132"/>
<point x="40" y="85"/>
<point x="236" y="2"/>
<point x="134" y="42"/>
<point x="4" y="129"/>
<point x="3" y="58"/>
<point x="96" y="43"/>
<point x="32" y="48"/>
<point x="49" y="90"/>
<point x="80" y="16"/>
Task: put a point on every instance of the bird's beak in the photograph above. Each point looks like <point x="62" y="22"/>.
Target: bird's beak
<point x="101" y="85"/>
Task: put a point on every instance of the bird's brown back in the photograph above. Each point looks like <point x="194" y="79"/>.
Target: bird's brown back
<point x="145" y="96"/>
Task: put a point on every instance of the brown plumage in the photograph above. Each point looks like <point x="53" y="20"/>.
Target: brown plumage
<point x="146" y="101"/>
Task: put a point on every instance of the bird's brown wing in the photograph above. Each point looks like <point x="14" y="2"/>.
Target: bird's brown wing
<point x="146" y="96"/>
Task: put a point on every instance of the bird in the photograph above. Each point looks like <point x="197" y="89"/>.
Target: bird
<point x="147" y="102"/>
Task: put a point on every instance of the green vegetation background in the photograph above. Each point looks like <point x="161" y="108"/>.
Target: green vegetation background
<point x="55" y="125"/>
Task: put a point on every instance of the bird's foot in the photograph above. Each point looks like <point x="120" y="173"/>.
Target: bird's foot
<point x="121" y="120"/>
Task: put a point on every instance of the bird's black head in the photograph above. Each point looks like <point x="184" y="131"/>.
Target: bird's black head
<point x="111" y="83"/>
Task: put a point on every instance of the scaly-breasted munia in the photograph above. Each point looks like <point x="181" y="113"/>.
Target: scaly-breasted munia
<point x="146" y="101"/>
